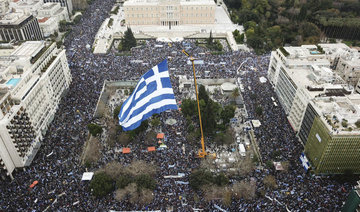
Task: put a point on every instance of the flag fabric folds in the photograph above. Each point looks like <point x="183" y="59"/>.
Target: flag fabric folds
<point x="152" y="94"/>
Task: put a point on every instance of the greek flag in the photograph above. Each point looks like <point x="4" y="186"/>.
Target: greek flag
<point x="153" y="94"/>
<point x="304" y="161"/>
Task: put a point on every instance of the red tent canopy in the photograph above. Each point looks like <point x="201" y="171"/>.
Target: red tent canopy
<point x="126" y="150"/>
<point x="160" y="135"/>
<point x="151" y="149"/>
<point x="34" y="184"/>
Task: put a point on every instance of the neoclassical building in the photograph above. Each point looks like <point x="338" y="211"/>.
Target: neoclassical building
<point x="169" y="12"/>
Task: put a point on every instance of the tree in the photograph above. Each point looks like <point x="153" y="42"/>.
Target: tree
<point x="116" y="112"/>
<point x="188" y="108"/>
<point x="94" y="129"/>
<point x="244" y="190"/>
<point x="221" y="179"/>
<point x="142" y="128"/>
<point x="357" y="123"/>
<point x="199" y="178"/>
<point x="270" y="182"/>
<point x="227" y="113"/>
<point x="124" y="138"/>
<point x="258" y="110"/>
<point x="308" y="29"/>
<point x="114" y="169"/>
<point x="138" y="167"/>
<point x="110" y="23"/>
<point x="123" y="181"/>
<point x="128" y="40"/>
<point x="62" y="26"/>
<point x="77" y="19"/>
<point x="235" y="93"/>
<point x="203" y="94"/>
<point x="155" y="121"/>
<point x="144" y="181"/>
<point x="208" y="117"/>
<point x="210" y="40"/>
<point x="101" y="184"/>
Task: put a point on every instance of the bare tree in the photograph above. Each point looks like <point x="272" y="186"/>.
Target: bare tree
<point x="150" y="138"/>
<point x="114" y="169"/>
<point x="242" y="167"/>
<point x="212" y="192"/>
<point x="124" y="139"/>
<point x="139" y="167"/>
<point x="92" y="151"/>
<point x="285" y="165"/>
<point x="244" y="190"/>
<point x="270" y="181"/>
<point x="120" y="194"/>
<point x="145" y="196"/>
<point x="207" y="164"/>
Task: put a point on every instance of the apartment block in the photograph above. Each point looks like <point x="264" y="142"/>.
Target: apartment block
<point x="19" y="26"/>
<point x="333" y="142"/>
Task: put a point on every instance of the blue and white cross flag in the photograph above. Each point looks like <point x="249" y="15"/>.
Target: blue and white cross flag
<point x="304" y="161"/>
<point x="152" y="94"/>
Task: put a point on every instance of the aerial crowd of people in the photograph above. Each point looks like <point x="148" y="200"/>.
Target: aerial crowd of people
<point x="58" y="168"/>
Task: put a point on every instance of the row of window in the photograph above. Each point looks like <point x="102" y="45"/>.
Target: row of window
<point x="165" y="8"/>
<point x="169" y="15"/>
<point x="158" y="23"/>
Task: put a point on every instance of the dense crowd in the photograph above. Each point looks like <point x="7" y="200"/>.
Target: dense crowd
<point x="59" y="174"/>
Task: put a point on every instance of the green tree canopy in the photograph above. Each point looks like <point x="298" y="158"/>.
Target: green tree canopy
<point x="94" y="129"/>
<point x="145" y="181"/>
<point x="117" y="111"/>
<point x="128" y="40"/>
<point x="101" y="184"/>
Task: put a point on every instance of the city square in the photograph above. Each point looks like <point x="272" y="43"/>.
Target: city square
<point x="264" y="174"/>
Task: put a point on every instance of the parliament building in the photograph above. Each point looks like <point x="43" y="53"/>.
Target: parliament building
<point x="169" y="12"/>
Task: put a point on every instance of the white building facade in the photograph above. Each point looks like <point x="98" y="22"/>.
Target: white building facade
<point x="169" y="12"/>
<point x="31" y="88"/>
<point x="300" y="74"/>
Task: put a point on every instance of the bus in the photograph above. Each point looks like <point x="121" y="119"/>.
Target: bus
<point x="242" y="150"/>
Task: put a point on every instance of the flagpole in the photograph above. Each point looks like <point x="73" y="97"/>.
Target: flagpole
<point x="202" y="153"/>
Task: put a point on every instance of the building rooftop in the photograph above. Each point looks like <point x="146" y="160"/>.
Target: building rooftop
<point x="49" y="5"/>
<point x="14" y="18"/>
<point x="168" y="2"/>
<point x="340" y="114"/>
<point x="43" y="20"/>
<point x="29" y="48"/>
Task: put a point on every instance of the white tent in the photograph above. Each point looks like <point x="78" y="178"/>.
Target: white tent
<point x="263" y="79"/>
<point x="87" y="176"/>
<point x="256" y="123"/>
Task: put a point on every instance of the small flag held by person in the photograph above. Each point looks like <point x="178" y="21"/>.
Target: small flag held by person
<point x="152" y="94"/>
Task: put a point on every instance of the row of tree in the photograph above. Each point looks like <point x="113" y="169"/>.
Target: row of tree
<point x="270" y="24"/>
<point x="214" y="116"/>
<point x="135" y="181"/>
